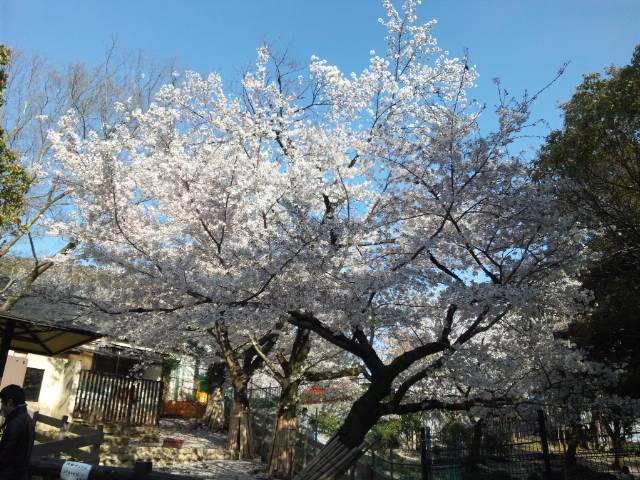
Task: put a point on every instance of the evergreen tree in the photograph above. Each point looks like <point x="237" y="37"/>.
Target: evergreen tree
<point x="595" y="161"/>
<point x="15" y="180"/>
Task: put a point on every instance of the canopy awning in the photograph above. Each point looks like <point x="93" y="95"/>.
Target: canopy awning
<point x="43" y="338"/>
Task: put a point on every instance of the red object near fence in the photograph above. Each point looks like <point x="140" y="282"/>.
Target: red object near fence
<point x="172" y="442"/>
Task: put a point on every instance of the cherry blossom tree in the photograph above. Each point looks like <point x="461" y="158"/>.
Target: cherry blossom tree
<point x="301" y="365"/>
<point x="241" y="364"/>
<point x="214" y="414"/>
<point x="367" y="208"/>
<point x="38" y="94"/>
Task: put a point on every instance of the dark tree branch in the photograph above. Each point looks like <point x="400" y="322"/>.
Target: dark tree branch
<point x="475" y="328"/>
<point x="274" y="371"/>
<point x="428" y="405"/>
<point x="448" y="323"/>
<point x="362" y="350"/>
<point x="443" y="268"/>
<point x="413" y="379"/>
<point x="471" y="331"/>
<point x="251" y="360"/>
<point x="405" y="360"/>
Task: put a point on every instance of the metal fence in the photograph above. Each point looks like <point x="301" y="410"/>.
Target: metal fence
<point x="314" y="395"/>
<point x="536" y="447"/>
<point x="108" y="398"/>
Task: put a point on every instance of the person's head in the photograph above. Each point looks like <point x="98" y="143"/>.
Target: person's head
<point x="10" y="397"/>
<point x="304" y="410"/>
<point x="625" y="469"/>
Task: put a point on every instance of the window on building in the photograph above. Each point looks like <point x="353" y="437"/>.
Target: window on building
<point x="33" y="383"/>
<point x="114" y="364"/>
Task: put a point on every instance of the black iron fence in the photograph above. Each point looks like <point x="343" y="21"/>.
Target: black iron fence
<point x="313" y="395"/>
<point x="537" y="447"/>
<point x="108" y="398"/>
<point x="534" y="448"/>
<point x="524" y="447"/>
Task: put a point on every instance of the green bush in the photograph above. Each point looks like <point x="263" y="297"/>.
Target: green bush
<point x="385" y="435"/>
<point x="328" y="421"/>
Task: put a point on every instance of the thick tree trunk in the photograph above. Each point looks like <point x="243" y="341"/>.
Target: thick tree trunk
<point x="281" y="458"/>
<point x="345" y="447"/>
<point x="284" y="443"/>
<point x="618" y="441"/>
<point x="573" y="437"/>
<point x="285" y="431"/>
<point x="214" y="415"/>
<point x="596" y="433"/>
<point x="240" y="437"/>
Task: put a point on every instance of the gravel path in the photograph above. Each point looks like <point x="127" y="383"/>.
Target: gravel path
<point x="211" y="469"/>
<point x="192" y="435"/>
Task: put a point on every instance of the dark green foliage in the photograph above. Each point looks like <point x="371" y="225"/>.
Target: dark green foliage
<point x="328" y="421"/>
<point x="410" y="426"/>
<point x="610" y="330"/>
<point x="598" y="151"/>
<point x="385" y="435"/>
<point x="595" y="162"/>
<point x="14" y="181"/>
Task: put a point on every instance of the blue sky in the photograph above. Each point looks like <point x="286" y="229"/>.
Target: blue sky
<point x="523" y="42"/>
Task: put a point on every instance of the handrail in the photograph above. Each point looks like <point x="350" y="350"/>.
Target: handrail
<point x="53" y="467"/>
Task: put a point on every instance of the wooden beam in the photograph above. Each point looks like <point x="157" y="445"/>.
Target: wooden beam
<point x="52" y="467"/>
<point x="58" y="446"/>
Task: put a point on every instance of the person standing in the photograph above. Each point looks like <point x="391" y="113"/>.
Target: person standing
<point x="18" y="433"/>
<point x="305" y="423"/>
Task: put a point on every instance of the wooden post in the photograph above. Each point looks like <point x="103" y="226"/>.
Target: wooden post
<point x="425" y="453"/>
<point x="34" y="419"/>
<point x="5" y="346"/>
<point x="160" y="390"/>
<point x="95" y="448"/>
<point x="64" y="427"/>
<point x="304" y="451"/>
<point x="542" y="424"/>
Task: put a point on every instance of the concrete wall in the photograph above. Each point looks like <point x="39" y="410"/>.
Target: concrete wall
<point x="59" y="384"/>
<point x="61" y="377"/>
